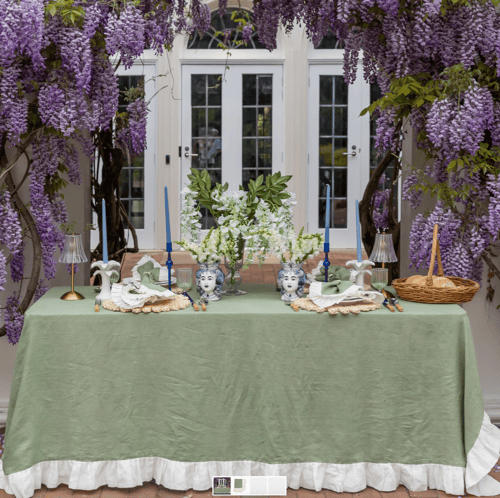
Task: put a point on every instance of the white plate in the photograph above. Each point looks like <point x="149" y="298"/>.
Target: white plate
<point x="130" y="280"/>
<point x="353" y="299"/>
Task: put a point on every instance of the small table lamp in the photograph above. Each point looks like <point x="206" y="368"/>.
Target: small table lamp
<point x="383" y="249"/>
<point x="73" y="252"/>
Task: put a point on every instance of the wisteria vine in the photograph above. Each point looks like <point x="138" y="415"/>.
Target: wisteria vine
<point x="58" y="87"/>
<point x="436" y="61"/>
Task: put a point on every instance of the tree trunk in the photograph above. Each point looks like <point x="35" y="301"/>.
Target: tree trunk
<point x="368" y="230"/>
<point x="109" y="189"/>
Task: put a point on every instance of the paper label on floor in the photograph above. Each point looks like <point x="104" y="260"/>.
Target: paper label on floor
<point x="249" y="485"/>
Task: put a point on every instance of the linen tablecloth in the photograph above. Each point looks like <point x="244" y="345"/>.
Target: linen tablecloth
<point x="249" y="387"/>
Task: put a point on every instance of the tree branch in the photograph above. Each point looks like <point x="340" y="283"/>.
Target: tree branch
<point x="26" y="173"/>
<point x="124" y="214"/>
<point x="21" y="148"/>
<point x="492" y="266"/>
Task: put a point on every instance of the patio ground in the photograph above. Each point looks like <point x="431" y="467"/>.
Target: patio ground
<point x="152" y="490"/>
<point x="266" y="274"/>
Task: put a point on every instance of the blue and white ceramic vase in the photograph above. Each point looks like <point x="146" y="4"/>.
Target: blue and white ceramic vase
<point x="209" y="281"/>
<point x="291" y="281"/>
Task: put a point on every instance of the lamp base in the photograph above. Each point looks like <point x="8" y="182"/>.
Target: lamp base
<point x="72" y="296"/>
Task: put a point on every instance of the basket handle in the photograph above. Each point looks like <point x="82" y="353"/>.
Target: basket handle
<point x="435" y="250"/>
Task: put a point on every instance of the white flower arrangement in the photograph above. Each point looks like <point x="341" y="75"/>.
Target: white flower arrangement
<point x="190" y="216"/>
<point x="210" y="250"/>
<point x="269" y="231"/>
<point x="300" y="247"/>
<point x="234" y="227"/>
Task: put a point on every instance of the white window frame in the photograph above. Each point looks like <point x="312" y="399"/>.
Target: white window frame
<point x="358" y="133"/>
<point x="145" y="66"/>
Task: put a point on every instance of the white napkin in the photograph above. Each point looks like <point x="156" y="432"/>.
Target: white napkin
<point x="353" y="291"/>
<point x="163" y="269"/>
<point x="123" y="298"/>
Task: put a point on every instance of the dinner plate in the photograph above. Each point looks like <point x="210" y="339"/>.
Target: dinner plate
<point x="353" y="299"/>
<point x="130" y="280"/>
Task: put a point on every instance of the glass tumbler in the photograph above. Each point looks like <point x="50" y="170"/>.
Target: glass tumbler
<point x="380" y="278"/>
<point x="184" y="278"/>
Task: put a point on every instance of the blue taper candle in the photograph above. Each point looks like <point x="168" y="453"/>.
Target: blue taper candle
<point x="326" y="245"/>
<point x="167" y="222"/>
<point x="104" y="234"/>
<point x="170" y="263"/>
<point x="358" y="234"/>
<point x="327" y="215"/>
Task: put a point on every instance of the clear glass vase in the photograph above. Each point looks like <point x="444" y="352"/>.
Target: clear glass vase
<point x="233" y="277"/>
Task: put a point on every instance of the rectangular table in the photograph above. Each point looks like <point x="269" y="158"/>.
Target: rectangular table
<point x="249" y="387"/>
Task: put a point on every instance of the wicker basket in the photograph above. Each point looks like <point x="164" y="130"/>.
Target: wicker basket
<point x="462" y="293"/>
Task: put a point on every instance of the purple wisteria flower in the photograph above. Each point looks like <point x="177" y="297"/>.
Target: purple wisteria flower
<point x="13" y="319"/>
<point x="3" y="270"/>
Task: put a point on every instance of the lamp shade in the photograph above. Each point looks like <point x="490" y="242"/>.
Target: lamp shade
<point x="383" y="249"/>
<point x="73" y="251"/>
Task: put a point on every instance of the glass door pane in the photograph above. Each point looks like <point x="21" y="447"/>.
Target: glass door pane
<point x="257" y="139"/>
<point x="132" y="175"/>
<point x="333" y="116"/>
<point x="206" y="130"/>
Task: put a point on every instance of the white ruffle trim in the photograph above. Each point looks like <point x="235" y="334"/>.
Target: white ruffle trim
<point x="481" y="458"/>
<point x="350" y="478"/>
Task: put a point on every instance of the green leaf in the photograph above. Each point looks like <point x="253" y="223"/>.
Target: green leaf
<point x="284" y="179"/>
<point x="52" y="9"/>
<point x="259" y="181"/>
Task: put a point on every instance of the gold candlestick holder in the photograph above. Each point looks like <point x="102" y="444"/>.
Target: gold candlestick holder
<point x="72" y="253"/>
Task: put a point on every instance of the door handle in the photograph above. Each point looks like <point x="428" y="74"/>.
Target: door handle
<point x="187" y="154"/>
<point x="349" y="153"/>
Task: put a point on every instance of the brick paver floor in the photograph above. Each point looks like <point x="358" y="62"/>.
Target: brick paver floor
<point x="266" y="274"/>
<point x="152" y="490"/>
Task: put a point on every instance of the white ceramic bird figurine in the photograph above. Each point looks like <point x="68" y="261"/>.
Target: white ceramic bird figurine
<point x="359" y="270"/>
<point x="106" y="271"/>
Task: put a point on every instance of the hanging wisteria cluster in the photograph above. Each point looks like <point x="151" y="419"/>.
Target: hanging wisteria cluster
<point x="437" y="61"/>
<point x="58" y="86"/>
<point x="438" y="64"/>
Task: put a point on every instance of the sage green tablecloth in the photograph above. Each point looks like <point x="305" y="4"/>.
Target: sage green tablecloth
<point x="250" y="379"/>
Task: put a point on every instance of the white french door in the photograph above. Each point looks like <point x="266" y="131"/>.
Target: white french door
<point x="338" y="151"/>
<point x="138" y="179"/>
<point x="231" y="123"/>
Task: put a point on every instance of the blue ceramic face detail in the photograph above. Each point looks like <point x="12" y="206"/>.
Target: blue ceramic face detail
<point x="209" y="281"/>
<point x="291" y="280"/>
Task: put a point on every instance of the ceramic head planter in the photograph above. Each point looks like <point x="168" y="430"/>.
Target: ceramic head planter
<point x="209" y="281"/>
<point x="291" y="280"/>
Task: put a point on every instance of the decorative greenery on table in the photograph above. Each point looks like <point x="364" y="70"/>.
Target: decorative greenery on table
<point x="258" y="220"/>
